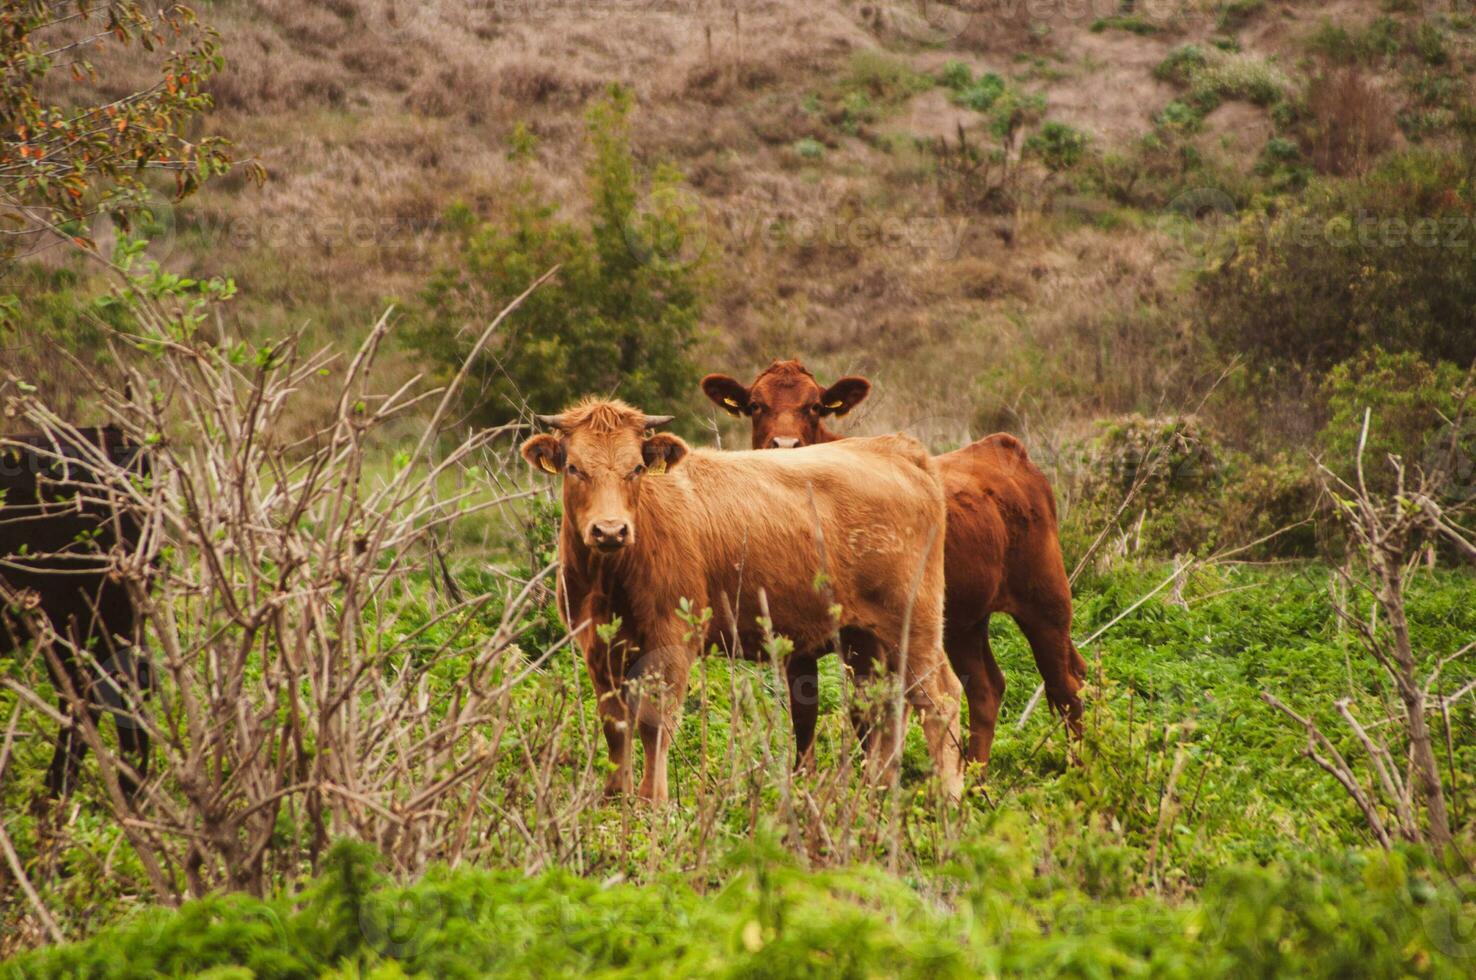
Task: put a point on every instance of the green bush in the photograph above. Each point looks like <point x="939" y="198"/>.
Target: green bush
<point x="1180" y="118"/>
<point x="1237" y="13"/>
<point x="1131" y="23"/>
<point x="1388" y="260"/>
<point x="809" y="148"/>
<point x="1409" y="401"/>
<point x="1364" y="915"/>
<point x="622" y="315"/>
<point x="956" y="76"/>
<point x="1281" y="161"/>
<point x="1181" y="64"/>
<point x="981" y="94"/>
<point x="883" y="77"/>
<point x="1213" y="76"/>
<point x="1196" y="494"/>
<point x="1059" y="146"/>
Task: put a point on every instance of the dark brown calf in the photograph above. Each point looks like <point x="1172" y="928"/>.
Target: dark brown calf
<point x="1002" y="552"/>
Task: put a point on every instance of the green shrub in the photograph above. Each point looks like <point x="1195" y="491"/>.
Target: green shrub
<point x="883" y="77"/>
<point x="1213" y="75"/>
<point x="1333" y="42"/>
<point x="1282" y="163"/>
<point x="1237" y="13"/>
<point x="1180" y="118"/>
<point x="809" y="148"/>
<point x="981" y="94"/>
<point x="1409" y="401"/>
<point x="1059" y="146"/>
<point x="1428" y="42"/>
<point x="1278" y="152"/>
<point x="955" y="75"/>
<point x="1181" y="64"/>
<point x="1385" y="261"/>
<point x="1013" y="111"/>
<point x="1237" y="76"/>
<point x="1197" y="495"/>
<point x="622" y="314"/>
<point x="1365" y="914"/>
<point x="1131" y="23"/>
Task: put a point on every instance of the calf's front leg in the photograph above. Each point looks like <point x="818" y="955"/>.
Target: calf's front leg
<point x="655" y="690"/>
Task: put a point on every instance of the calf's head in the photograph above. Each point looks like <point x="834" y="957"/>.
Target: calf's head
<point x="605" y="452"/>
<point x="787" y="405"/>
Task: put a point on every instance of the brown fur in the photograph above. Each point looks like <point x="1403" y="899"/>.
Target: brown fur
<point x="1002" y="552"/>
<point x="717" y="529"/>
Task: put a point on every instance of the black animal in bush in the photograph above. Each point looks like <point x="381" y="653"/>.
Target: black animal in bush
<point x="62" y="519"/>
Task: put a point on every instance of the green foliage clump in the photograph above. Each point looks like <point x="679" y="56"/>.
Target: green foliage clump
<point x="622" y="314"/>
<point x="1195" y="494"/>
<point x="1212" y="76"/>
<point x="982" y="93"/>
<point x="1367" y="915"/>
<point x="1385" y="261"/>
<point x="1166" y="456"/>
<point x="1282" y="163"/>
<point x="1132" y="23"/>
<point x="809" y="148"/>
<point x="1237" y="13"/>
<point x="883" y="77"/>
<point x="1059" y="146"/>
<point x="1182" y="64"/>
<point x="955" y="75"/>
<point x="1180" y="119"/>
<point x="1384" y="38"/>
<point x="1410" y="402"/>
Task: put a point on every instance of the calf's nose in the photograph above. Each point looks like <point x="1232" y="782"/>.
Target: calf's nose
<point x="787" y="442"/>
<point x="610" y="534"/>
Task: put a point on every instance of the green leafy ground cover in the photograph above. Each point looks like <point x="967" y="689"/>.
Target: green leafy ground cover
<point x="1193" y="838"/>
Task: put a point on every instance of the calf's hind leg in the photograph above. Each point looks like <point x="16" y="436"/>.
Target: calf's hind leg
<point x="802" y="673"/>
<point x="71" y="749"/>
<point x="1048" y="630"/>
<point x="931" y="687"/>
<point x="983" y="684"/>
<point x="934" y="690"/>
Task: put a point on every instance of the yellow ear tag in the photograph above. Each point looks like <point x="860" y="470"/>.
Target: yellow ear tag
<point x="658" y="467"/>
<point x="547" y="466"/>
<point x="835" y="404"/>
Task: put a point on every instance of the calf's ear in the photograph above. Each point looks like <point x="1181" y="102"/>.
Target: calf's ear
<point x="663" y="451"/>
<point x="726" y="393"/>
<point x="844" y="395"/>
<point x="544" y="452"/>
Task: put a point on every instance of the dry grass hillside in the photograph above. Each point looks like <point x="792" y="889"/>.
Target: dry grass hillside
<point x="843" y="222"/>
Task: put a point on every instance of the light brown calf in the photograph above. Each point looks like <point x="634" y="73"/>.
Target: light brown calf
<point x="649" y="523"/>
<point x="1002" y="553"/>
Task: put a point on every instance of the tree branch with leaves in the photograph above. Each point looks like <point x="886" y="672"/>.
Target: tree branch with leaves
<point x="70" y="147"/>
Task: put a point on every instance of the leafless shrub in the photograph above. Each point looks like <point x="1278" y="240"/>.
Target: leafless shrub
<point x="267" y="573"/>
<point x="302" y="626"/>
<point x="1399" y="787"/>
<point x="1352" y="122"/>
<point x="537" y="82"/>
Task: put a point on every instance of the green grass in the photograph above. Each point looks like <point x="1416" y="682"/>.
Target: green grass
<point x="1131" y="23"/>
